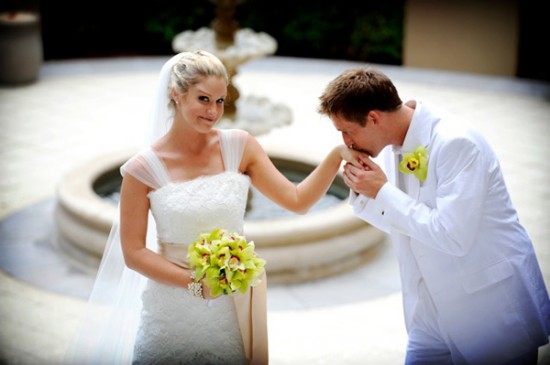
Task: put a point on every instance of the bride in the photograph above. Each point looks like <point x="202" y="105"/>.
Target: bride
<point x="145" y="307"/>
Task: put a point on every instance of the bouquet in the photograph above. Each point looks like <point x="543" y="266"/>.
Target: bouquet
<point x="225" y="261"/>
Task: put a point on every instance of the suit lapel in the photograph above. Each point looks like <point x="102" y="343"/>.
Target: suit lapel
<point x="392" y="161"/>
<point x="407" y="183"/>
<point x="419" y="134"/>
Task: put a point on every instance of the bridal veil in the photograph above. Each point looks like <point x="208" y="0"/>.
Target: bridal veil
<point x="109" y="324"/>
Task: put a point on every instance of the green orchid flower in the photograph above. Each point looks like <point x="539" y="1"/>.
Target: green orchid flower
<point x="415" y="163"/>
<point x="200" y="257"/>
<point x="217" y="281"/>
<point x="254" y="269"/>
<point x="222" y="255"/>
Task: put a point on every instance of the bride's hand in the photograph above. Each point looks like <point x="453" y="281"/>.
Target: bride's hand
<point x="352" y="156"/>
<point x="204" y="290"/>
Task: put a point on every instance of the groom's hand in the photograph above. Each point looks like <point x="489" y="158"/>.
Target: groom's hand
<point x="367" y="179"/>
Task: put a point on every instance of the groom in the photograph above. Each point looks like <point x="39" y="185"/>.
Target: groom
<point x="473" y="292"/>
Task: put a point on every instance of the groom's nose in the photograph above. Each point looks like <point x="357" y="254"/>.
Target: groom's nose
<point x="348" y="141"/>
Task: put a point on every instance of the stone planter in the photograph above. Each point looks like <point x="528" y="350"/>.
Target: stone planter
<point x="21" y="52"/>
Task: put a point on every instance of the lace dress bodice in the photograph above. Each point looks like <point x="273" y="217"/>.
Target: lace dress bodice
<point x="183" y="210"/>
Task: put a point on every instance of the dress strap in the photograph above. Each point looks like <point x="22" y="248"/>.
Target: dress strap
<point x="233" y="142"/>
<point x="147" y="167"/>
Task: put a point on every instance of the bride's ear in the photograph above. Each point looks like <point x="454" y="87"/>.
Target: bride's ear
<point x="174" y="95"/>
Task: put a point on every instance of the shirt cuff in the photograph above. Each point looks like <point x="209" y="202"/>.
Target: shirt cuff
<point x="358" y="202"/>
<point x="370" y="210"/>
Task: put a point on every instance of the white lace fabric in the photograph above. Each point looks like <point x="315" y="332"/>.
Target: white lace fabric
<point x="184" y="210"/>
<point x="177" y="328"/>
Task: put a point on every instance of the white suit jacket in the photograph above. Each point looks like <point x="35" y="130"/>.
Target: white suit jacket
<point x="459" y="233"/>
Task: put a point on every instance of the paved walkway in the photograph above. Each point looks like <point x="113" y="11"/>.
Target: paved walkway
<point x="81" y="108"/>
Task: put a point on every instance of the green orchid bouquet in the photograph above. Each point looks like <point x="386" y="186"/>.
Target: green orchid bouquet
<point x="415" y="163"/>
<point x="225" y="261"/>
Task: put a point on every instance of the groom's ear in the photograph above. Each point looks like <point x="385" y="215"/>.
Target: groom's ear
<point x="372" y="117"/>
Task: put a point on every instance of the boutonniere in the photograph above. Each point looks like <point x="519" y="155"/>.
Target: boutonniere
<point x="415" y="163"/>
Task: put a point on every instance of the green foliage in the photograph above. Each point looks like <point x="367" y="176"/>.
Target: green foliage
<point x="169" y="20"/>
<point x="377" y="38"/>
<point x="368" y="31"/>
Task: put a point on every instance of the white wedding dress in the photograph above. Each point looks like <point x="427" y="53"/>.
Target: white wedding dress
<point x="175" y="327"/>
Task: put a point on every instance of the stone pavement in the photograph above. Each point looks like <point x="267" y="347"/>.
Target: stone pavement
<point x="81" y="108"/>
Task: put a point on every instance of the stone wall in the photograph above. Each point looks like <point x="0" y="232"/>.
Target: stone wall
<point x="479" y="36"/>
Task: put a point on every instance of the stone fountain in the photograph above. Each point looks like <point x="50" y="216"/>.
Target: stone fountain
<point x="327" y="241"/>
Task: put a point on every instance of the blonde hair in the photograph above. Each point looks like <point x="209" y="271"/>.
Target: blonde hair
<point x="194" y="66"/>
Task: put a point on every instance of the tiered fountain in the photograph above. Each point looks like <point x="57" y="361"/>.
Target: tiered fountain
<point x="234" y="47"/>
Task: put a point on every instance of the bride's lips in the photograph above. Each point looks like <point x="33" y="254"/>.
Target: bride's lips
<point x="209" y="120"/>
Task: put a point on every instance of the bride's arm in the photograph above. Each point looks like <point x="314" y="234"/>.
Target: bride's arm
<point x="274" y="185"/>
<point x="134" y="210"/>
<point x="134" y="213"/>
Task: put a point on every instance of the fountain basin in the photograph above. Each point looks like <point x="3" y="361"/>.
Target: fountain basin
<point x="297" y="248"/>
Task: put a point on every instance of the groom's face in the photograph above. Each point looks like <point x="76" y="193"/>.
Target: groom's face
<point x="360" y="138"/>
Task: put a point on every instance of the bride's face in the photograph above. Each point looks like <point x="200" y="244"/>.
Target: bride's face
<point x="203" y="104"/>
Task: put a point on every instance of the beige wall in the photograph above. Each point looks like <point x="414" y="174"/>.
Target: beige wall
<point x="462" y="35"/>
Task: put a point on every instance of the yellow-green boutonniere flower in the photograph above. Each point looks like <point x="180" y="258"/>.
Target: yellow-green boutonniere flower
<point x="415" y="163"/>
